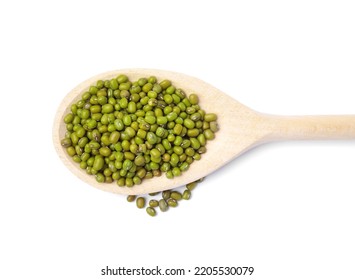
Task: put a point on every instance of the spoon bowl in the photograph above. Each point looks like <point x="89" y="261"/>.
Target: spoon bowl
<point x="241" y="128"/>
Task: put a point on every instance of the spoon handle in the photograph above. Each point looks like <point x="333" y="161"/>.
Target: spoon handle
<point x="310" y="127"/>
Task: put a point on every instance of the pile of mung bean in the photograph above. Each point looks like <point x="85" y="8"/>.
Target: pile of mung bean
<point x="127" y="131"/>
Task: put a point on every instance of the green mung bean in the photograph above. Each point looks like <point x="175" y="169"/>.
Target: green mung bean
<point x="210" y="117"/>
<point x="153" y="193"/>
<point x="163" y="205"/>
<point x="131" y="198"/>
<point x="151" y="211"/>
<point x="172" y="202"/>
<point x="140" y="202"/>
<point x="191" y="186"/>
<point x="153" y="203"/>
<point x="166" y="194"/>
<point x="208" y="133"/>
<point x="176" y="195"/>
<point x="186" y="195"/>
<point x="213" y="126"/>
<point x="193" y="98"/>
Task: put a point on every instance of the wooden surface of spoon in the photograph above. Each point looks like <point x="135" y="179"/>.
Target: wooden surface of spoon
<point x="241" y="128"/>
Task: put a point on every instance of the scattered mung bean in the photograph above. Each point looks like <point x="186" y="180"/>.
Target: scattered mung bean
<point x="153" y="203"/>
<point x="151" y="211"/>
<point x="176" y="195"/>
<point x="191" y="186"/>
<point x="186" y="194"/>
<point x="172" y="202"/>
<point x="140" y="202"/>
<point x="163" y="205"/>
<point x="166" y="194"/>
<point x="169" y="198"/>
<point x="131" y="198"/>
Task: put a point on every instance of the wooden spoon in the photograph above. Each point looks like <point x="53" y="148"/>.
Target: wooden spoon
<point x="241" y="128"/>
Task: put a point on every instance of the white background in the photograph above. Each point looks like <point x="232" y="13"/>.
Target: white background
<point x="285" y="208"/>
